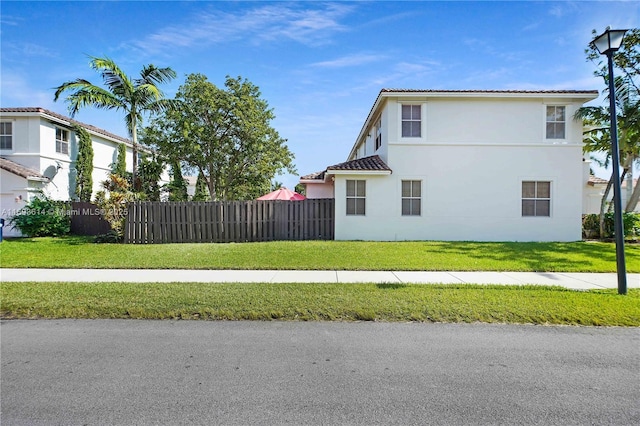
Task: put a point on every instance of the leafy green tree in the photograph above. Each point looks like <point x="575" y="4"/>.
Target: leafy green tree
<point x="151" y="169"/>
<point x="224" y="134"/>
<point x="301" y="189"/>
<point x="177" y="186"/>
<point x="202" y="192"/>
<point x="133" y="96"/>
<point x="84" y="164"/>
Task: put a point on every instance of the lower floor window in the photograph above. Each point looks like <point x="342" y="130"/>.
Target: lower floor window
<point x="356" y="197"/>
<point x="411" y="197"/>
<point x="536" y="198"/>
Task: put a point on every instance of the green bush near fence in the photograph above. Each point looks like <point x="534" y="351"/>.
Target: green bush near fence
<point x="591" y="225"/>
<point x="43" y="217"/>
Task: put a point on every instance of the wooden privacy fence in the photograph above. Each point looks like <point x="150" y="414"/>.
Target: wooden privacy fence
<point x="229" y="221"/>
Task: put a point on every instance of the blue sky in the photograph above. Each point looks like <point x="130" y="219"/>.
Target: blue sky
<point x="320" y="65"/>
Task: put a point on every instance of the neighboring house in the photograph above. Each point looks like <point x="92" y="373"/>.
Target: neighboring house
<point x="594" y="191"/>
<point x="480" y="165"/>
<point x="38" y="149"/>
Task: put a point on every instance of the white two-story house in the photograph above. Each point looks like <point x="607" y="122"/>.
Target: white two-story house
<point x="474" y="165"/>
<point x="38" y="149"/>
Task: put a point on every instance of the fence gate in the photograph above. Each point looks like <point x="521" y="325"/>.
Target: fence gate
<point x="229" y="221"/>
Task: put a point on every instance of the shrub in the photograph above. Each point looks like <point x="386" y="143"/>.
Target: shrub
<point x="43" y="217"/>
<point x="591" y="225"/>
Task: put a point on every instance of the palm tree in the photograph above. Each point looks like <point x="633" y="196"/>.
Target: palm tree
<point x="597" y="137"/>
<point x="134" y="97"/>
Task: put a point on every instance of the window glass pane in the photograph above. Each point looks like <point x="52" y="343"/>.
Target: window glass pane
<point x="528" y="189"/>
<point x="559" y="131"/>
<point x="543" y="208"/>
<point x="544" y="190"/>
<point x="406" y="188"/>
<point x="406" y="112"/>
<point x="360" y="206"/>
<point x="406" y="207"/>
<point x="351" y="188"/>
<point x="416" y="188"/>
<point x="406" y="129"/>
<point x="351" y="206"/>
<point x="415" y="207"/>
<point x="360" y="190"/>
<point x="415" y="129"/>
<point x="559" y="113"/>
<point x="551" y="113"/>
<point x="415" y="112"/>
<point x="528" y="208"/>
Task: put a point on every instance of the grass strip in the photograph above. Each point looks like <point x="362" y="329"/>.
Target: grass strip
<point x="321" y="302"/>
<point x="78" y="252"/>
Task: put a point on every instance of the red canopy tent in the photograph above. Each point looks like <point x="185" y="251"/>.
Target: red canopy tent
<point x="283" y="194"/>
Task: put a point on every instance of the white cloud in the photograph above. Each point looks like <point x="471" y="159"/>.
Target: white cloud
<point x="349" y="61"/>
<point x="274" y="22"/>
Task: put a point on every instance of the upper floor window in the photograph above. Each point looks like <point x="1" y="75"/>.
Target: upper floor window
<point x="411" y="197"/>
<point x="556" y="122"/>
<point x="356" y="197"/>
<point x="62" y="141"/>
<point x="411" y="121"/>
<point x="536" y="198"/>
<point x="379" y="133"/>
<point x="6" y="135"/>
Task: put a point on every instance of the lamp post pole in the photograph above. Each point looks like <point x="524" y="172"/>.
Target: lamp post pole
<point x="607" y="44"/>
<point x="617" y="198"/>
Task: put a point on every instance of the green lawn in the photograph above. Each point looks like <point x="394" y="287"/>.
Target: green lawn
<point x="304" y="302"/>
<point x="75" y="252"/>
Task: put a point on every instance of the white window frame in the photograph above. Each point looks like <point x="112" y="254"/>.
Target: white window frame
<point x="378" y="133"/>
<point x="411" y="197"/>
<point x="411" y="119"/>
<point x="552" y="136"/>
<point x="6" y="136"/>
<point x="62" y="145"/>
<point x="358" y="195"/>
<point x="536" y="197"/>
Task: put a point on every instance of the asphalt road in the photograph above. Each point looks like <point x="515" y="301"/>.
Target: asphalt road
<point x="127" y="372"/>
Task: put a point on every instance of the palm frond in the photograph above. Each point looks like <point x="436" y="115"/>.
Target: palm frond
<point x="114" y="78"/>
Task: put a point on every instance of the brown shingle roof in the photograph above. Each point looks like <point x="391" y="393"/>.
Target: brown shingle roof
<point x="542" y="92"/>
<point x="61" y="117"/>
<point x="314" y="176"/>
<point x="373" y="163"/>
<point x="19" y="169"/>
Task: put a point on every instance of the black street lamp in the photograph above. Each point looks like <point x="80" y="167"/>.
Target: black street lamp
<point x="607" y="44"/>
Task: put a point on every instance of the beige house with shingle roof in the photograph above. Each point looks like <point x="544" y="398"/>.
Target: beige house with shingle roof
<point x="38" y="149"/>
<point x="501" y="165"/>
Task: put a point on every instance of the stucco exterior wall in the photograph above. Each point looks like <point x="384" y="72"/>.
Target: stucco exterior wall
<point x="319" y="190"/>
<point x="468" y="193"/>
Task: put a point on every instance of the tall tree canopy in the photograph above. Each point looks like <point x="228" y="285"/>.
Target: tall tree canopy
<point x="133" y="96"/>
<point x="223" y="134"/>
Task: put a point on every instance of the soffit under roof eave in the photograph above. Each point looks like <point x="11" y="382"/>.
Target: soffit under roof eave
<point x="359" y="172"/>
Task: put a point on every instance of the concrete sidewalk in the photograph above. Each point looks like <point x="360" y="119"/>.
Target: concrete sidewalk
<point x="576" y="281"/>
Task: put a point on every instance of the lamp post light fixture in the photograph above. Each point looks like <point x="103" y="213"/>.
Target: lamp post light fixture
<point x="607" y="44"/>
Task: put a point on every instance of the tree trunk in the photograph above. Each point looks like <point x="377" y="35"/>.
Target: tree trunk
<point x="632" y="202"/>
<point x="603" y="203"/>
